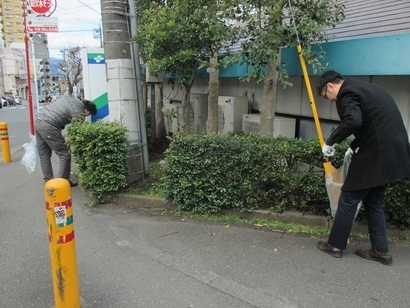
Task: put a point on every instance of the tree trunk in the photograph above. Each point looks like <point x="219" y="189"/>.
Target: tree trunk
<point x="212" y="122"/>
<point x="159" y="116"/>
<point x="183" y="116"/>
<point x="268" y="106"/>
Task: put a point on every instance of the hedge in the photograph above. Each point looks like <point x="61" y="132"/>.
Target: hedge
<point x="206" y="173"/>
<point x="100" y="150"/>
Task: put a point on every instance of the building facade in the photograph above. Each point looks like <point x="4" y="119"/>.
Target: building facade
<point x="12" y="71"/>
<point x="371" y="44"/>
<point x="13" y="77"/>
<point x="11" y="22"/>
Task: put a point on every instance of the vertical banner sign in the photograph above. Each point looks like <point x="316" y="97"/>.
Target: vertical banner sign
<point x="95" y="80"/>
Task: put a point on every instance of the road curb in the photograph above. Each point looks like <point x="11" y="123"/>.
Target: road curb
<point x="142" y="201"/>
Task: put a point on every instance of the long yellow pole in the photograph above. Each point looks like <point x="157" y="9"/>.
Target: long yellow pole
<point x="59" y="208"/>
<point x="326" y="165"/>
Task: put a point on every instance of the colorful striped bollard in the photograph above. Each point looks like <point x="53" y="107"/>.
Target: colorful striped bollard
<point x="60" y="225"/>
<point x="5" y="145"/>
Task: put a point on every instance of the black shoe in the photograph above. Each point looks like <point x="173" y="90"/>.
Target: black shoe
<point x="73" y="184"/>
<point x="372" y="254"/>
<point x="333" y="251"/>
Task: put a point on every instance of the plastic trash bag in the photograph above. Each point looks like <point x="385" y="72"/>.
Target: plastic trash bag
<point x="29" y="157"/>
<point x="335" y="180"/>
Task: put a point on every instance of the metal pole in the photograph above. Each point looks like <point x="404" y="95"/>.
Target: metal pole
<point x="101" y="41"/>
<point x="134" y="31"/>
<point x="152" y="87"/>
<point x="2" y="88"/>
<point x="60" y="225"/>
<point x="35" y="76"/>
<point x="30" y="99"/>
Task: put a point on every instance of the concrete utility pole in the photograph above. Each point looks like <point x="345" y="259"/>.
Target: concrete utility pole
<point x="122" y="94"/>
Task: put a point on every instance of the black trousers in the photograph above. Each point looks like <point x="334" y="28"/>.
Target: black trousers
<point x="373" y="204"/>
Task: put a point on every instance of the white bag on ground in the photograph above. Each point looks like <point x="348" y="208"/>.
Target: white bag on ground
<point x="334" y="182"/>
<point x="29" y="157"/>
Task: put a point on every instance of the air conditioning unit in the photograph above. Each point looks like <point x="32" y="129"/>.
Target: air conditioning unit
<point x="284" y="127"/>
<point x="251" y="123"/>
<point x="281" y="126"/>
<point x="198" y="113"/>
<point x="230" y="111"/>
<point x="171" y="116"/>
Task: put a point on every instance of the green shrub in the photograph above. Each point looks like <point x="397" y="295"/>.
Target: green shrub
<point x="397" y="202"/>
<point x="99" y="150"/>
<point x="207" y="173"/>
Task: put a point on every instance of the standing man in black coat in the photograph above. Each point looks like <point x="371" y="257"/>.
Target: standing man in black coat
<point x="381" y="155"/>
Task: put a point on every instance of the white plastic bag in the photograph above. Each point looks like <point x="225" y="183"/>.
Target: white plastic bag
<point x="334" y="182"/>
<point x="29" y="157"/>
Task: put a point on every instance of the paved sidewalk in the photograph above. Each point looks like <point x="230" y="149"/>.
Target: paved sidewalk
<point x="131" y="257"/>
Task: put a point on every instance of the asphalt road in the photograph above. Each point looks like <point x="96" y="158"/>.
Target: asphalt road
<point x="17" y="119"/>
<point x="136" y="257"/>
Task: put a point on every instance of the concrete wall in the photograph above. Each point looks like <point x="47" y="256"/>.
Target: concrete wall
<point x="379" y="59"/>
<point x="293" y="101"/>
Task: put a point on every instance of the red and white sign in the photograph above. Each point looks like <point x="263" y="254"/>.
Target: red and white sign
<point x="40" y="6"/>
<point x="42" y="24"/>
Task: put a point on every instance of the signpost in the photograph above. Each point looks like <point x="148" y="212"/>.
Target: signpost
<point x="33" y="24"/>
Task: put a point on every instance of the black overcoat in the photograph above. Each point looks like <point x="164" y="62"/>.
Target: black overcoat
<point x="369" y="112"/>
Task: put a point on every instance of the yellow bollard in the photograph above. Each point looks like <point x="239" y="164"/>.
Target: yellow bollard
<point x="5" y="145"/>
<point x="60" y="226"/>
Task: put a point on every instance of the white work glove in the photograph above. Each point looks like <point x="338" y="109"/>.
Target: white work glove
<point x="328" y="150"/>
<point x="349" y="152"/>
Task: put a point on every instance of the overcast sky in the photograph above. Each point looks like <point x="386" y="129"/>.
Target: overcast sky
<point x="76" y="21"/>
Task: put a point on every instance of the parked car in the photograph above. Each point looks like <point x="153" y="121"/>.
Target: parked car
<point x="7" y="101"/>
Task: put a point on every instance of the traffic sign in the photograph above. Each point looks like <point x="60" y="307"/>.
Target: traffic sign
<point x="42" y="24"/>
<point x="40" y="6"/>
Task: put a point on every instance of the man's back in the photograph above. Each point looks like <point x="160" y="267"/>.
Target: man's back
<point x="61" y="112"/>
<point x="383" y="148"/>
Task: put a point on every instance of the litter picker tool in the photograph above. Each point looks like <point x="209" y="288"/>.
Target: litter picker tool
<point x="334" y="178"/>
<point x="326" y="165"/>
